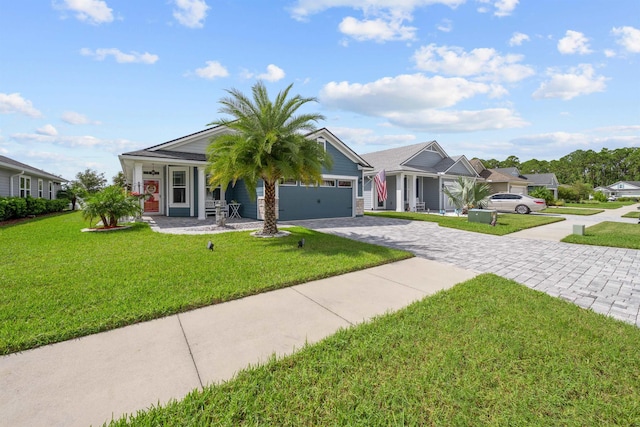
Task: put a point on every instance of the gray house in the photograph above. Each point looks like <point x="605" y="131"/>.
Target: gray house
<point x="501" y="182"/>
<point x="622" y="189"/>
<point x="545" y="180"/>
<point x="21" y="180"/>
<point x="415" y="176"/>
<point x="173" y="176"/>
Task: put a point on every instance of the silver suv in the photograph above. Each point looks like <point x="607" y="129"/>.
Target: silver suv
<point x="518" y="203"/>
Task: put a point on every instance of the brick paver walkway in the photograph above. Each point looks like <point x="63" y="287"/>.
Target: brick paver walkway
<point x="606" y="280"/>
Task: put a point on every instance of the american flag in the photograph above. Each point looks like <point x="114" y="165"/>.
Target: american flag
<point x="381" y="185"/>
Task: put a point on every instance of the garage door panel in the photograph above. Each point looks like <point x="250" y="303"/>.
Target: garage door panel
<point x="315" y="202"/>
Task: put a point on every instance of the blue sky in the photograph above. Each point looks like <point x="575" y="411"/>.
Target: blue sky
<point x="82" y="81"/>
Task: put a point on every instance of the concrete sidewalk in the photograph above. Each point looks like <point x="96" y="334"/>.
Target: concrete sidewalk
<point x="92" y="379"/>
<point x="559" y="230"/>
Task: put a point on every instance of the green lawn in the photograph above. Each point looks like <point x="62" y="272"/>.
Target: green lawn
<point x="632" y="215"/>
<point x="572" y="211"/>
<point x="507" y="223"/>
<point x="59" y="283"/>
<point x="599" y="205"/>
<point x="486" y="352"/>
<point x="615" y="234"/>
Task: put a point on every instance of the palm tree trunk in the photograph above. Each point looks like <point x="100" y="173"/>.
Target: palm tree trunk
<point x="270" y="225"/>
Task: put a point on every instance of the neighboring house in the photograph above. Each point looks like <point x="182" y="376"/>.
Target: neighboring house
<point x="21" y="180"/>
<point x="622" y="189"/>
<point x="545" y="180"/>
<point x="173" y="175"/>
<point x="415" y="177"/>
<point x="501" y="182"/>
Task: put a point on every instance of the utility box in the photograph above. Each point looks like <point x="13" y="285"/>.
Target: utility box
<point x="483" y="216"/>
<point x="578" y="229"/>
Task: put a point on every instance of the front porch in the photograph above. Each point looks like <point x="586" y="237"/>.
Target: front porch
<point x="414" y="193"/>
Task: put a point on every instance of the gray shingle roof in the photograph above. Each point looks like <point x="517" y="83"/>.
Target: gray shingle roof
<point x="14" y="164"/>
<point x="390" y="160"/>
<point x="547" y="179"/>
<point x="168" y="155"/>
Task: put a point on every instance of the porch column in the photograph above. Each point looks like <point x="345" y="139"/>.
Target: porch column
<point x="202" y="185"/>
<point x="137" y="185"/>
<point x="411" y="192"/>
<point x="400" y="192"/>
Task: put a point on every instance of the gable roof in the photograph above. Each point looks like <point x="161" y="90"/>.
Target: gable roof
<point x="18" y="166"/>
<point x="340" y="146"/>
<point x="495" y="175"/>
<point x="546" y="179"/>
<point x="633" y="183"/>
<point x="392" y="159"/>
<point x="190" y="148"/>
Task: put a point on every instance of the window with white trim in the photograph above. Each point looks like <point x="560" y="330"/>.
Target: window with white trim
<point x="50" y="190"/>
<point x="343" y="183"/>
<point x="25" y="186"/>
<point x="328" y="183"/>
<point x="40" y="188"/>
<point x="287" y="181"/>
<point x="179" y="184"/>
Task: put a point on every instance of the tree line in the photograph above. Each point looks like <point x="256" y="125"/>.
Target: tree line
<point x="589" y="167"/>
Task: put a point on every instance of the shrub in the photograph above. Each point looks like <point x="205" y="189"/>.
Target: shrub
<point x="599" y="196"/>
<point x="36" y="206"/>
<point x="559" y="202"/>
<point x="568" y="194"/>
<point x="57" y="205"/>
<point x="18" y="207"/>
<point x="543" y="193"/>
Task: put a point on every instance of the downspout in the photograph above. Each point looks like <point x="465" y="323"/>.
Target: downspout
<point x="11" y="179"/>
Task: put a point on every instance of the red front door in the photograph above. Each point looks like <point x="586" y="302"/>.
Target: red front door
<point x="152" y="193"/>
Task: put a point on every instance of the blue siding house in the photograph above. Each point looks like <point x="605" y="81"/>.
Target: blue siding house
<point x="173" y="176"/>
<point x="21" y="180"/>
<point x="416" y="176"/>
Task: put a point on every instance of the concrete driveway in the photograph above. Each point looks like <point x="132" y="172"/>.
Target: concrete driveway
<point x="606" y="280"/>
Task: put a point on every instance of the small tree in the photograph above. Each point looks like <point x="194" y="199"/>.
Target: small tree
<point x="109" y="205"/>
<point x="466" y="194"/>
<point x="71" y="191"/>
<point x="120" y="180"/>
<point x="91" y="180"/>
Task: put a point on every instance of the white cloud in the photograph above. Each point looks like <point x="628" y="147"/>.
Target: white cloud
<point x="119" y="56"/>
<point x="609" y="53"/>
<point x="191" y="13"/>
<point x="273" y="74"/>
<point x="574" y="42"/>
<point x="445" y="26"/>
<point x="74" y="118"/>
<point x="305" y="8"/>
<point x="47" y="130"/>
<point x="628" y="37"/>
<point x="580" y="80"/>
<point x="212" y="70"/>
<point x="416" y="102"/>
<point x="451" y="121"/>
<point x="517" y="39"/>
<point x="379" y="29"/>
<point x="383" y="20"/>
<point x="92" y="11"/>
<point x="505" y="7"/>
<point x="367" y="137"/>
<point x="402" y="93"/>
<point x="15" y="103"/>
<point x="115" y="146"/>
<point x="483" y="63"/>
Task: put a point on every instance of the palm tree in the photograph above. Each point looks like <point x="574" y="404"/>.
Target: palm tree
<point x="266" y="143"/>
<point x="466" y="193"/>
